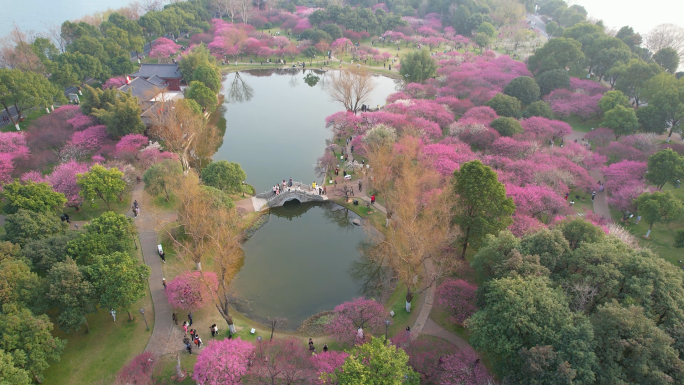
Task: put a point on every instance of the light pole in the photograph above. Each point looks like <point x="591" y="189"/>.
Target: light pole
<point x="142" y="311"/>
<point x="387" y="324"/>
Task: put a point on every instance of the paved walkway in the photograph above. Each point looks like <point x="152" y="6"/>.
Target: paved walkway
<point x="432" y="329"/>
<point x="166" y="338"/>
<point x="601" y="200"/>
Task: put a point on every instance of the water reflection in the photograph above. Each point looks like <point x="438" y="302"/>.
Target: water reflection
<point x="239" y="91"/>
<point x="298" y="265"/>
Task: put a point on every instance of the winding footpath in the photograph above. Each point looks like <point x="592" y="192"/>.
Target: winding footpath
<point x="166" y="338"/>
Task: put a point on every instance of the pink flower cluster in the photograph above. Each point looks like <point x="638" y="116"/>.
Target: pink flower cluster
<point x="80" y="121"/>
<point x="163" y="47"/>
<point x="565" y="103"/>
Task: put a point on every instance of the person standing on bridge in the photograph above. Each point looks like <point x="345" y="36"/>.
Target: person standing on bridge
<point x="290" y="183"/>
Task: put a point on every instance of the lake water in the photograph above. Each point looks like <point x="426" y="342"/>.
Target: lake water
<point x="39" y="15"/>
<point x="300" y="263"/>
<point x="280" y="131"/>
<point x="307" y="258"/>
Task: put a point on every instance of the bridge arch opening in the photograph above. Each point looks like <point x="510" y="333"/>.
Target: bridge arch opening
<point x="292" y="204"/>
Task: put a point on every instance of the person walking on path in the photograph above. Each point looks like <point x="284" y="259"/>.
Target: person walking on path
<point x="188" y="347"/>
<point x="360" y="185"/>
<point x="164" y="283"/>
<point x="174" y="318"/>
<point x="185" y="327"/>
<point x="373" y="199"/>
<point x="112" y="312"/>
<point x="214" y="330"/>
<point x="190" y="318"/>
<point x="325" y="191"/>
<point x="593" y="195"/>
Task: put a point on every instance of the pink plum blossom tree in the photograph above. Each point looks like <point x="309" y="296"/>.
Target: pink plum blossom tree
<point x="80" y="121"/>
<point x="188" y="292"/>
<point x="327" y="362"/>
<point x="130" y="145"/>
<point x="223" y="362"/>
<point x="63" y="179"/>
<point x="545" y="129"/>
<point x="163" y="47"/>
<point x="114" y="83"/>
<point x="286" y="360"/>
<point x="457" y="298"/>
<point x="463" y="368"/>
<point x="365" y="314"/>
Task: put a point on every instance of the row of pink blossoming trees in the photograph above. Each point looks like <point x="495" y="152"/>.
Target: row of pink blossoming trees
<point x="68" y="143"/>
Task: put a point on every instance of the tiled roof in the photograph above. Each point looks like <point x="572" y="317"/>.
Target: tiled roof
<point x="156" y="80"/>
<point x="164" y="71"/>
<point x="142" y="89"/>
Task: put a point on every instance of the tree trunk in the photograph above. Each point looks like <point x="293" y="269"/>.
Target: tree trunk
<point x="465" y="243"/>
<point x="87" y="327"/>
<point x="130" y="316"/>
<point x="198" y="266"/>
<point x="179" y="372"/>
<point x="409" y="298"/>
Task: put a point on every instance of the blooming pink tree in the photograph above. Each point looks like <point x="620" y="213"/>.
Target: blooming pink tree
<point x="565" y="103"/>
<point x="33" y="176"/>
<point x="67" y="111"/>
<point x="163" y="47"/>
<point x="223" y="362"/>
<point x="6" y="167"/>
<point x="63" y="179"/>
<point x="545" y="129"/>
<point x="138" y="371"/>
<point x="463" y="368"/>
<point x="152" y="155"/>
<point x="114" y="83"/>
<point x="523" y="224"/>
<point x="302" y="25"/>
<point x="284" y="359"/>
<point x="80" y="121"/>
<point x="341" y="44"/>
<point x="130" y="145"/>
<point x="425" y="356"/>
<point x="536" y="200"/>
<point x="327" y="362"/>
<point x="457" y="297"/>
<point x="13" y="145"/>
<point x="349" y="317"/>
<point x="90" y="139"/>
<point x="188" y="292"/>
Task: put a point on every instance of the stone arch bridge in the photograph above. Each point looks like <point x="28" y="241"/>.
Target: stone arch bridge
<point x="299" y="191"/>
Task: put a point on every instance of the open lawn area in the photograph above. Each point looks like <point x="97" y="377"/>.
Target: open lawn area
<point x="87" y="212"/>
<point x="582" y="126"/>
<point x="98" y="355"/>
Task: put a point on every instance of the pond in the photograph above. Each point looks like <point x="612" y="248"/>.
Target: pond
<point x="275" y="123"/>
<point x="304" y="260"/>
<point x="307" y="258"/>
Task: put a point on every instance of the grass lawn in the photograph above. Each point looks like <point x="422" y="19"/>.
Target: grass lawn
<point x="100" y="354"/>
<point x="661" y="240"/>
<point x="578" y="125"/>
<point x="31" y="115"/>
<point x="87" y="213"/>
<point x="581" y="206"/>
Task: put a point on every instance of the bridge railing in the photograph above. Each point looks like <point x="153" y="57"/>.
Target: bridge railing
<point x="296" y="186"/>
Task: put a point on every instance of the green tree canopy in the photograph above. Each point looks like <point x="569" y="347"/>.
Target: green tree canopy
<point x="38" y="197"/>
<point x="557" y="53"/>
<point x="622" y="120"/>
<point x="224" y="175"/>
<point x="633" y="349"/>
<point x="121" y="117"/>
<point x="505" y="105"/>
<point x="333" y="30"/>
<point x="524" y="88"/>
<point x="204" y="96"/>
<point x="45" y="252"/>
<point x="18" y="284"/>
<point x="28" y="338"/>
<point x="553" y="80"/>
<point x="487" y="28"/>
<point x="522" y="313"/>
<point x="199" y="56"/>
<point x="481" y="205"/>
<point x="209" y="75"/>
<point x="507" y="126"/>
<point x="658" y="207"/>
<point x="81" y="65"/>
<point x="633" y="78"/>
<point x="651" y="119"/>
<point x="611" y="99"/>
<point x="668" y="58"/>
<point x="417" y="66"/>
<point x="159" y="176"/>
<point x="25" y="90"/>
<point x="375" y="363"/>
<point x="101" y="183"/>
<point x="665" y="166"/>
<point x="539" y="108"/>
<point x="96" y="98"/>
<point x="10" y="373"/>
<point x="25" y="226"/>
<point x="482" y="40"/>
<point x="119" y="280"/>
<point x="72" y="295"/>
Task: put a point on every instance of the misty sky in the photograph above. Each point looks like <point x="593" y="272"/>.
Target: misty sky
<point x="640" y="15"/>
